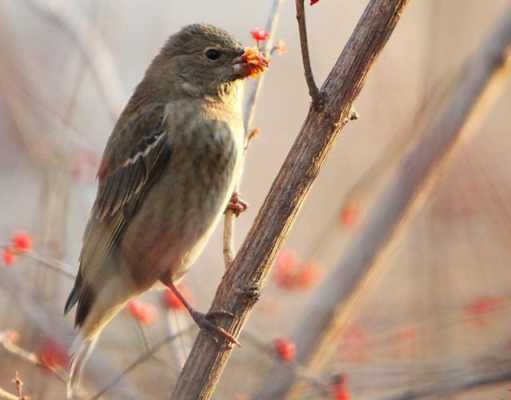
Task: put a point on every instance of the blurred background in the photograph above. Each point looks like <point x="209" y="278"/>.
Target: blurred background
<point x="441" y="301"/>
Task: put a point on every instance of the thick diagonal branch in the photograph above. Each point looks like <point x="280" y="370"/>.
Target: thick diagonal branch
<point x="478" y="88"/>
<point x="239" y="289"/>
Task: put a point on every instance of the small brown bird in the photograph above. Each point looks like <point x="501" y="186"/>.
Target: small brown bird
<point x="167" y="174"/>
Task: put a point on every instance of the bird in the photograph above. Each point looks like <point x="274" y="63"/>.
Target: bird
<point x="167" y="174"/>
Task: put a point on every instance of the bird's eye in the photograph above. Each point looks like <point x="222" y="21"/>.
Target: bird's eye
<point x="212" y="54"/>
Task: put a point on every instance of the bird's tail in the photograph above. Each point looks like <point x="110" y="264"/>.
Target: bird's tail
<point x="81" y="355"/>
<point x="105" y="304"/>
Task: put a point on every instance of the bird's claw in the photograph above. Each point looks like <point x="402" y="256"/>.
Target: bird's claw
<point x="204" y="322"/>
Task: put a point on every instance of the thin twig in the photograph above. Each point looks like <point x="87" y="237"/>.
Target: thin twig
<point x="304" y="43"/>
<point x="329" y="310"/>
<point x="48" y="325"/>
<point x="228" y="240"/>
<point x="4" y="395"/>
<point x="253" y="96"/>
<point x="91" y="44"/>
<point x="52" y="264"/>
<point x="241" y="285"/>
<point x="25" y="355"/>
<point x="140" y="360"/>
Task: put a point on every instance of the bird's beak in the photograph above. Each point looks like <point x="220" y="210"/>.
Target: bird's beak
<point x="250" y="63"/>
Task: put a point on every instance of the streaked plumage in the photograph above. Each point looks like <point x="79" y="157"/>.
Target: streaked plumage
<point x="167" y="174"/>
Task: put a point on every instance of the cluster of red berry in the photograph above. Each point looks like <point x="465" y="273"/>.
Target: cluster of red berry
<point x="21" y="242"/>
<point x="292" y="274"/>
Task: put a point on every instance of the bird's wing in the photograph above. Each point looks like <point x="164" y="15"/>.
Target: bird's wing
<point x="136" y="154"/>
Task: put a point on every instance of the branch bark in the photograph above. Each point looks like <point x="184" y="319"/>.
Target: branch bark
<point x="240" y="287"/>
<point x="328" y="312"/>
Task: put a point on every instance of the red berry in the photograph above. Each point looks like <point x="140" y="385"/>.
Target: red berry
<point x="285" y="349"/>
<point x="260" y="35"/>
<point x="144" y="312"/>
<point x="340" y="389"/>
<point x="483" y="305"/>
<point x="53" y="355"/>
<point x="22" y="242"/>
<point x="172" y="302"/>
<point x="9" y="257"/>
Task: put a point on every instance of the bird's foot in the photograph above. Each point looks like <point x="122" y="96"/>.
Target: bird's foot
<point x="236" y="205"/>
<point x="204" y="321"/>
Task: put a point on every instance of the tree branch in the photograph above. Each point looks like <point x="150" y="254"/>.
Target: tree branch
<point x="240" y="287"/>
<point x="328" y="312"/>
<point x="304" y="43"/>
<point x="140" y="360"/>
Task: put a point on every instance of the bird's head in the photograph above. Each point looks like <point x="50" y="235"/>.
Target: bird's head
<point x="206" y="60"/>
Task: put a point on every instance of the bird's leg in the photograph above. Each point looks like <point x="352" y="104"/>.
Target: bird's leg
<point x="202" y="320"/>
<point x="236" y="205"/>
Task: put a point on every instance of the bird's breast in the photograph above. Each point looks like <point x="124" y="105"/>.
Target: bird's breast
<point x="183" y="207"/>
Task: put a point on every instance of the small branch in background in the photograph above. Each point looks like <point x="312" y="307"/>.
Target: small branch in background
<point x="96" y="53"/>
<point x="140" y="360"/>
<point x="481" y="84"/>
<point x="471" y="374"/>
<point x="50" y="326"/>
<point x="19" y="387"/>
<point x="304" y="43"/>
<point x="253" y="96"/>
<point x="52" y="264"/>
<point x="241" y="285"/>
<point x="47" y="262"/>
<point x="7" y="342"/>
<point x="4" y="395"/>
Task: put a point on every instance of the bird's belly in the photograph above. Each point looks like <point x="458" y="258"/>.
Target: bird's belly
<point x="177" y="218"/>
